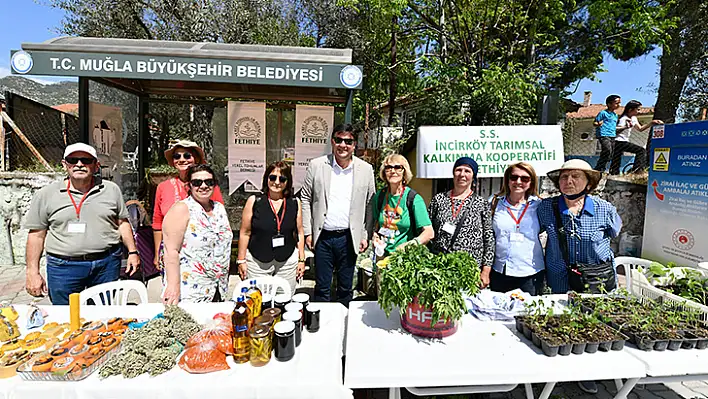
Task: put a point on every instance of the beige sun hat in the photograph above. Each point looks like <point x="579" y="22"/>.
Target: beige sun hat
<point x="174" y="145"/>
<point x="593" y="175"/>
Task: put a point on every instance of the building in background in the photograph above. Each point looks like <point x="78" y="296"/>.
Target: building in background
<point x="579" y="133"/>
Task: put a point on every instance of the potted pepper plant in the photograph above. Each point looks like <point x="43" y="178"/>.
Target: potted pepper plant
<point x="429" y="290"/>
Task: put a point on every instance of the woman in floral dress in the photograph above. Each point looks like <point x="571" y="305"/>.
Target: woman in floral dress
<point x="197" y="240"/>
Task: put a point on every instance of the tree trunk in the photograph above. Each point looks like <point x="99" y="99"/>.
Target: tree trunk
<point x="392" y="74"/>
<point x="675" y="68"/>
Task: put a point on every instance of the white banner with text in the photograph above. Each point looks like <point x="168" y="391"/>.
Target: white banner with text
<point x="247" y="144"/>
<point x="493" y="147"/>
<point x="313" y="127"/>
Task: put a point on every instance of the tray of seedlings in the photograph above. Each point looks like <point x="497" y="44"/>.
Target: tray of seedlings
<point x="649" y="324"/>
<point x="570" y="332"/>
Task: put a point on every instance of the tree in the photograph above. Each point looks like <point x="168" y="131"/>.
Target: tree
<point x="694" y="99"/>
<point x="681" y="53"/>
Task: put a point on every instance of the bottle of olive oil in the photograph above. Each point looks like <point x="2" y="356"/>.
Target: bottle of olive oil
<point x="254" y="293"/>
<point x="241" y="339"/>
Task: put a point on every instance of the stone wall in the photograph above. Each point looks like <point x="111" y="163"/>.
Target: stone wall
<point x="16" y="192"/>
<point x="629" y="199"/>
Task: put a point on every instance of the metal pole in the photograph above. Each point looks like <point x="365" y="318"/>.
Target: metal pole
<point x="84" y="110"/>
<point x="143" y="137"/>
<point x="348" y="109"/>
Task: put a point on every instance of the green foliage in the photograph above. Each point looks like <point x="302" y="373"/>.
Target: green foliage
<point x="437" y="280"/>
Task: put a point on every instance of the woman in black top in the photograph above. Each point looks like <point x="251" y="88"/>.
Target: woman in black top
<point x="271" y="240"/>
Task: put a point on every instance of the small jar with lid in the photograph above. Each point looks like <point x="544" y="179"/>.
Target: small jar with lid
<point x="296" y="318"/>
<point x="280" y="301"/>
<point x="274" y="313"/>
<point x="261" y="345"/>
<point x="284" y="341"/>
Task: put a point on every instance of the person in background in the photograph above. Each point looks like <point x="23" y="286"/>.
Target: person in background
<point x="518" y="261"/>
<point x="336" y="215"/>
<point x="587" y="223"/>
<point x="628" y="124"/>
<point x="399" y="212"/>
<point x="80" y="222"/>
<point x="606" y="130"/>
<point x="272" y="241"/>
<point x="462" y="220"/>
<point x="181" y="155"/>
<point x="197" y="240"/>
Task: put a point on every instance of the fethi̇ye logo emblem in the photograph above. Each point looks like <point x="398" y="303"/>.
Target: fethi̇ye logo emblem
<point x="351" y="76"/>
<point x="21" y="62"/>
<point x="247" y="128"/>
<point x="315" y="127"/>
<point x="683" y="239"/>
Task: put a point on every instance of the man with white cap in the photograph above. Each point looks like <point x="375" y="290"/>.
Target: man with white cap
<point x="80" y="222"/>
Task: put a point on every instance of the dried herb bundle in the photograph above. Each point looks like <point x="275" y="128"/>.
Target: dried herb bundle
<point x="154" y="348"/>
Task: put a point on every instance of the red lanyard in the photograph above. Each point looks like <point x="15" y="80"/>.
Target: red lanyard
<point x="71" y="197"/>
<point x="459" y="208"/>
<point x="278" y="220"/>
<point x="518" y="221"/>
<point x="389" y="219"/>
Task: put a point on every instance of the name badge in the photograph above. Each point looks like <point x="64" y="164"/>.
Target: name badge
<point x="278" y="241"/>
<point x="385" y="232"/>
<point x="449" y="228"/>
<point x="517" y="237"/>
<point x="76" y="228"/>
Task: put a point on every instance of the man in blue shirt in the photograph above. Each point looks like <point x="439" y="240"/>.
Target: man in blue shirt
<point x="606" y="129"/>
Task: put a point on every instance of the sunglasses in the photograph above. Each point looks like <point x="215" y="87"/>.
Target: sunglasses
<point x="339" y="140"/>
<point x="273" y="178"/>
<point x="524" y="179"/>
<point x="75" y="160"/>
<point x="199" y="182"/>
<point x="179" y="155"/>
<point x="397" y="168"/>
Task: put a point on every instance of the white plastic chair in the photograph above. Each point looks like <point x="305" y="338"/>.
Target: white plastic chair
<point x="267" y="284"/>
<point x="630" y="267"/>
<point x="114" y="293"/>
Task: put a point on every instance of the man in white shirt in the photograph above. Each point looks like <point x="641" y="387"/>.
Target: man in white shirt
<point x="336" y="215"/>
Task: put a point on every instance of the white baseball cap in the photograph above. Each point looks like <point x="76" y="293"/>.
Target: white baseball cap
<point x="76" y="147"/>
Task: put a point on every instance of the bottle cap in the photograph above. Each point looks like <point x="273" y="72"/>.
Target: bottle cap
<point x="292" y="316"/>
<point x="284" y="327"/>
<point x="301" y="297"/>
<point x="244" y="289"/>
<point x="293" y="307"/>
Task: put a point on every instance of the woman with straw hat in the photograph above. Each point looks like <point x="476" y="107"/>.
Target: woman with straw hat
<point x="181" y="155"/>
<point x="580" y="227"/>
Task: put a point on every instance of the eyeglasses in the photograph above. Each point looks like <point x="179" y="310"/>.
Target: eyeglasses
<point x="282" y="178"/>
<point x="75" y="160"/>
<point x="397" y="168"/>
<point x="179" y="155"/>
<point x="524" y="179"/>
<point x="339" y="140"/>
<point x="199" y="182"/>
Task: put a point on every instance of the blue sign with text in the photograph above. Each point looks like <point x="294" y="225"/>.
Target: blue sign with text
<point x="676" y="219"/>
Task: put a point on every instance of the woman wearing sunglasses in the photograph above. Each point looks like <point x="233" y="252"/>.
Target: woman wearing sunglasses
<point x="181" y="155"/>
<point x="400" y="213"/>
<point x="462" y="220"/>
<point x="271" y="240"/>
<point x="197" y="243"/>
<point x="518" y="262"/>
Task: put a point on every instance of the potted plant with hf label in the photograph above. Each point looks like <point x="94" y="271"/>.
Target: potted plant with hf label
<point x="429" y="290"/>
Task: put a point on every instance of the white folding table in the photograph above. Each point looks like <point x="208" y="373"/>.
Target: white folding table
<point x="314" y="372"/>
<point x="483" y="356"/>
<point x="672" y="366"/>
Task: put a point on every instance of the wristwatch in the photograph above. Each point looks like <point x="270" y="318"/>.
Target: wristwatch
<point x="134" y="253"/>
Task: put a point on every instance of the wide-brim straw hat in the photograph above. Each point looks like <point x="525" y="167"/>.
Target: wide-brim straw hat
<point x="593" y="175"/>
<point x="185" y="144"/>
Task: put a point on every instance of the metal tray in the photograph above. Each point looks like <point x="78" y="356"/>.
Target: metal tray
<point x="26" y="373"/>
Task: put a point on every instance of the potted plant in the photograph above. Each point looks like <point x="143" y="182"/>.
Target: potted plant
<point x="428" y="289"/>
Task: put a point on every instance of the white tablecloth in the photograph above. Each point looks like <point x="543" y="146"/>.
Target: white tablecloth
<point x="482" y="353"/>
<point x="315" y="372"/>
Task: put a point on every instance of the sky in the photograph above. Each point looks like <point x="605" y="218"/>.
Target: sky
<point x="34" y="21"/>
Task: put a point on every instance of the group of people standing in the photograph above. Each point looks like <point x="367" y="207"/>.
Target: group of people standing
<point x="613" y="131"/>
<point x="338" y="214"/>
